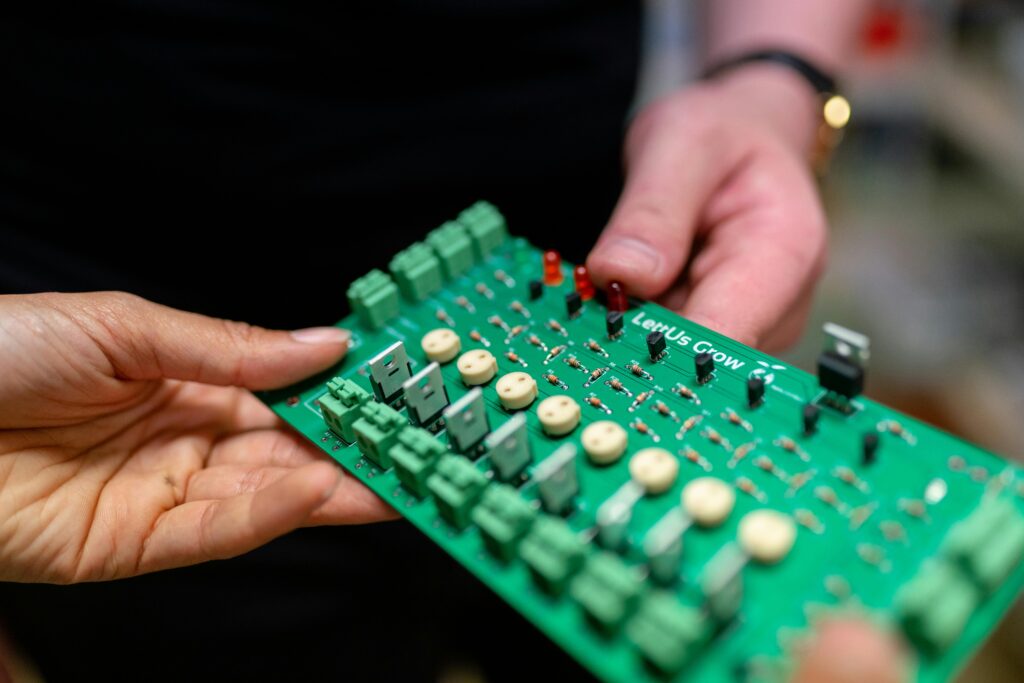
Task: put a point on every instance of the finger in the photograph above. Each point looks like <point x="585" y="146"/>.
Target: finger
<point x="847" y="651"/>
<point x="351" y="502"/>
<point x="143" y="340"/>
<point x="762" y="256"/>
<point x="273" y="447"/>
<point x="675" y="160"/>
<point x="788" y="332"/>
<point x="217" y="529"/>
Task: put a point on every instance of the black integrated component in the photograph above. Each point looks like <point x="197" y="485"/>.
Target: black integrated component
<point x="613" y="323"/>
<point x="656" y="345"/>
<point x="573" y="303"/>
<point x="705" y="366"/>
<point x="869" y="448"/>
<point x="755" y="391"/>
<point x="810" y="418"/>
<point x="536" y="289"/>
<point x="841" y="365"/>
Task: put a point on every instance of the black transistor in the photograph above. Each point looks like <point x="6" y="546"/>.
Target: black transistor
<point x="869" y="448"/>
<point x="656" y="345"/>
<point x="841" y="366"/>
<point x="705" y="366"/>
<point x="810" y="418"/>
<point x="613" y="322"/>
<point x="536" y="289"/>
<point x="755" y="391"/>
<point x="573" y="303"/>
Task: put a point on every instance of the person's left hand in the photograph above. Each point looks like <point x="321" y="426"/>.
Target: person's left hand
<point x="720" y="216"/>
<point x="127" y="446"/>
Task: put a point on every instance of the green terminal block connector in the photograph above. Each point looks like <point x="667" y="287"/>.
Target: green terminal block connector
<point x="415" y="458"/>
<point x="486" y="227"/>
<point x="341" y="406"/>
<point x="553" y="552"/>
<point x="377" y="432"/>
<point x="457" y="486"/>
<point x="503" y="518"/>
<point x="667" y="633"/>
<point x="988" y="544"/>
<point x="417" y="271"/>
<point x="607" y="590"/>
<point x="453" y="247"/>
<point x="935" y="606"/>
<point x="374" y="299"/>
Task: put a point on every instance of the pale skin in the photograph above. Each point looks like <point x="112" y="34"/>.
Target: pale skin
<point x="129" y="442"/>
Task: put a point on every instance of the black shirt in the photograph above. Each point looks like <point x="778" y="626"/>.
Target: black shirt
<point x="210" y="154"/>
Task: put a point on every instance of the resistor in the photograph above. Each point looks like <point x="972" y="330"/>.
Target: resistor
<point x="477" y="337"/>
<point x="443" y="316"/>
<point x="635" y="368"/>
<point x="827" y="496"/>
<point x="979" y="474"/>
<point x="688" y="424"/>
<point x="557" y="327"/>
<point x="518" y="307"/>
<point x="516" y="331"/>
<point x="595" y="375"/>
<point x="896" y="429"/>
<point x="914" y="508"/>
<point x="809" y="520"/>
<point x="497" y="322"/>
<point x="596" y="402"/>
<point x="503" y="277"/>
<point x="484" y="290"/>
<point x="514" y="357"/>
<point x="848" y="476"/>
<point x="595" y="347"/>
<point x="763" y="462"/>
<point x="687" y="393"/>
<point x="873" y="555"/>
<point x="787" y="444"/>
<point x="641" y="426"/>
<point x="741" y="452"/>
<point x="750" y="488"/>
<point x="465" y="303"/>
<point x="662" y="409"/>
<point x="553" y="353"/>
<point x="640" y="398"/>
<point x="860" y="514"/>
<point x="956" y="463"/>
<point x="616" y="385"/>
<point x="714" y="437"/>
<point x="798" y="481"/>
<point x="535" y="341"/>
<point x="574" y="363"/>
<point x="893" y="531"/>
<point x="734" y="418"/>
<point x="696" y="458"/>
<point x="552" y="378"/>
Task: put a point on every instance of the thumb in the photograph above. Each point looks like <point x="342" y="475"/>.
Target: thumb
<point x="851" y="651"/>
<point x="143" y="340"/>
<point x="675" y="159"/>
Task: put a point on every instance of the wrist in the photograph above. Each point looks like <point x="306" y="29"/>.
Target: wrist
<point x="774" y="97"/>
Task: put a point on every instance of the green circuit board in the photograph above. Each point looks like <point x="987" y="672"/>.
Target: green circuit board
<point x="894" y="520"/>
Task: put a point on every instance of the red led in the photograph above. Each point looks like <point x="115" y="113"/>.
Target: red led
<point x="584" y="286"/>
<point x="617" y="300"/>
<point x="552" y="267"/>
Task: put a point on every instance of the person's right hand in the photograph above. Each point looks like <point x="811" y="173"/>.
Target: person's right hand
<point x="127" y="446"/>
<point x="847" y="650"/>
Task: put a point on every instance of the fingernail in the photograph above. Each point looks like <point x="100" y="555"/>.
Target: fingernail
<point x="322" y="335"/>
<point x="631" y="253"/>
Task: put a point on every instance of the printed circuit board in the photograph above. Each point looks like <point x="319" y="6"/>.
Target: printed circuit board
<point x="665" y="503"/>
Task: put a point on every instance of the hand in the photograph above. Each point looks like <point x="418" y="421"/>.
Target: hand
<point x="126" y="446"/>
<point x="720" y="216"/>
<point x="843" y="650"/>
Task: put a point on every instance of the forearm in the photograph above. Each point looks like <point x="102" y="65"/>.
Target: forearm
<point x="821" y="32"/>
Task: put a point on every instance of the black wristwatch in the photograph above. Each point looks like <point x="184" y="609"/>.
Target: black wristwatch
<point x="835" y="109"/>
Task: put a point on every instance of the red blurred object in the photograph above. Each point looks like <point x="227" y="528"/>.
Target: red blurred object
<point x="886" y="28"/>
<point x="552" y="267"/>
<point x="583" y="284"/>
<point x="617" y="300"/>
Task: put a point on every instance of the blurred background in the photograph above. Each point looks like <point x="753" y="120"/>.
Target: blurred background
<point x="926" y="203"/>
